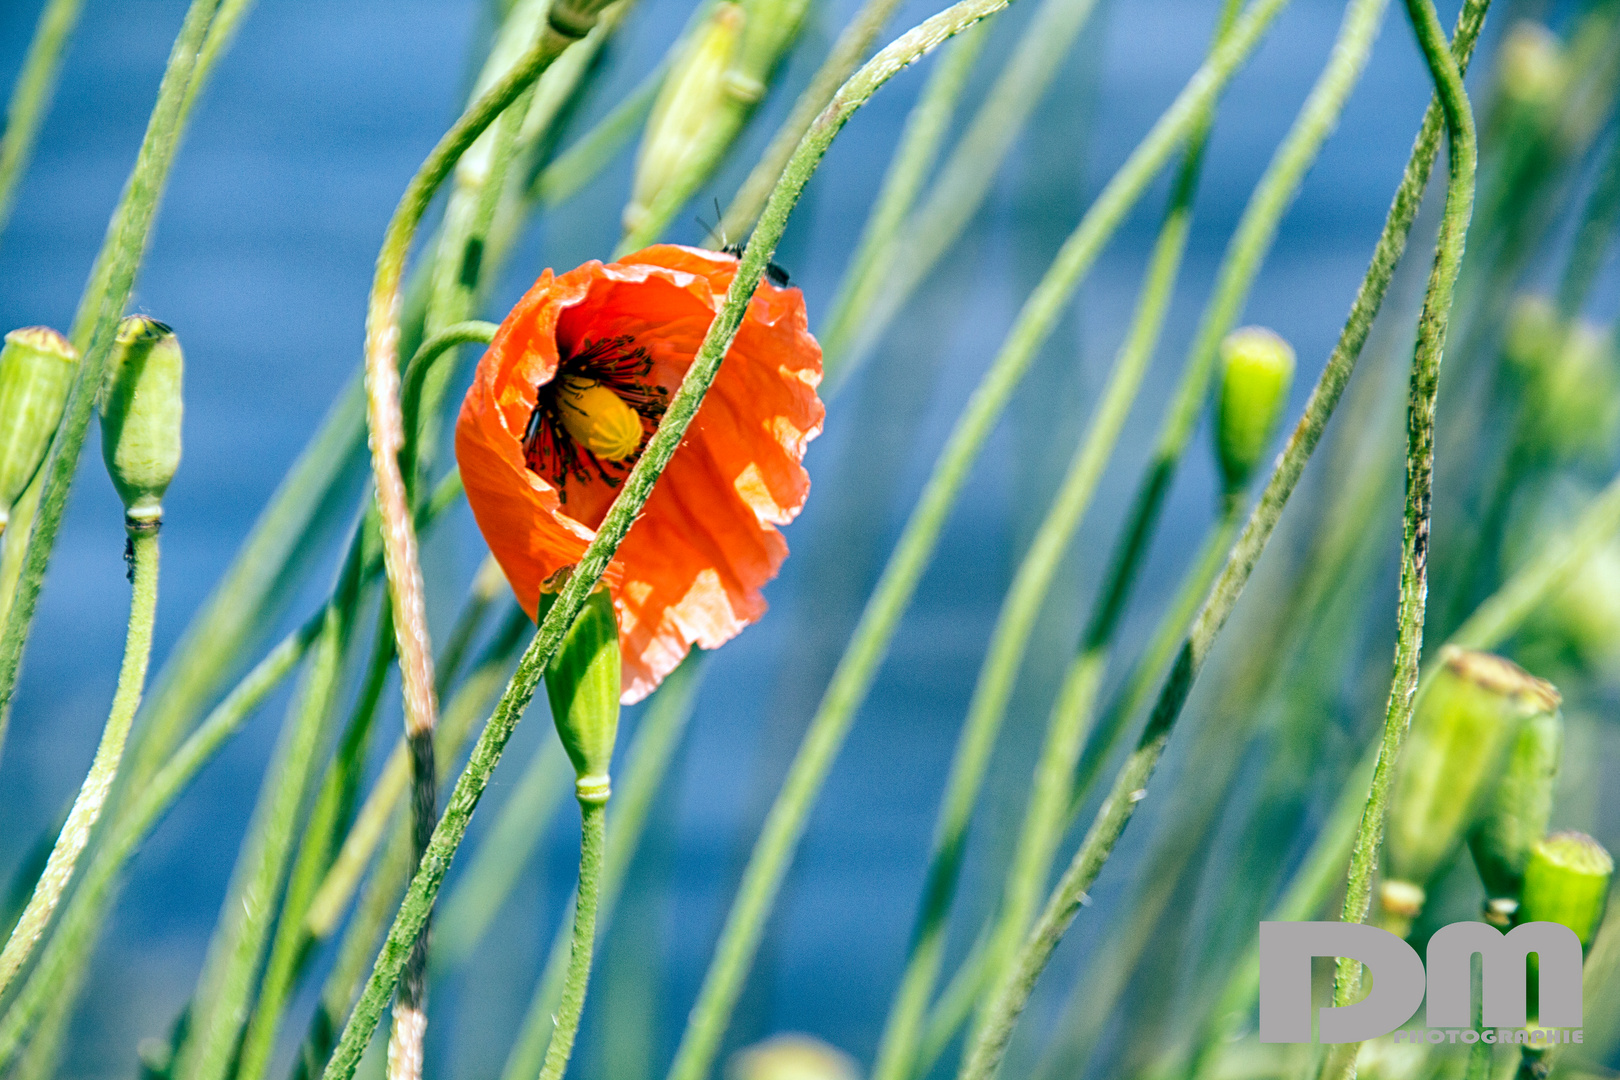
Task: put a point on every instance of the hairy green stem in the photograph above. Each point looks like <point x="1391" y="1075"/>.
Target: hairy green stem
<point x="93" y="332"/>
<point x="1009" y="641"/>
<point x="856" y="669"/>
<point x="31" y="96"/>
<point x="651" y="754"/>
<point x="70" y="842"/>
<point x="593" y="829"/>
<point x="631" y="498"/>
<point x="852" y="45"/>
<point x="1462" y="161"/>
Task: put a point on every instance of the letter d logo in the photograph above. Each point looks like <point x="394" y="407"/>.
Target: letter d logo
<point x="1286" y="949"/>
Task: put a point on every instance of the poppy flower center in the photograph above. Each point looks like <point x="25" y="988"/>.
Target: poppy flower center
<point x="591" y="419"/>
<point x="598" y="419"/>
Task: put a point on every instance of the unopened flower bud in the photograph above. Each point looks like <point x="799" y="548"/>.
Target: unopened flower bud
<point x="140" y="416"/>
<point x="1516" y="813"/>
<point x="1531" y="65"/>
<point x="582" y="684"/>
<point x="1567" y="881"/>
<point x="36" y="372"/>
<point x="1257" y="369"/>
<point x="792" y="1057"/>
<point x="770" y="27"/>
<point x="682" y="127"/>
<point x="1471" y="711"/>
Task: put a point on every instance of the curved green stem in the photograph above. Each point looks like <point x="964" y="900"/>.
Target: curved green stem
<point x="1340" y="1062"/>
<point x="98" y="782"/>
<point x="896" y="1058"/>
<point x="593" y="829"/>
<point x="93" y="332"/>
<point x="651" y="754"/>
<point x="626" y="506"/>
<point x="421" y="365"/>
<point x="31" y="96"/>
<point x="855" y="671"/>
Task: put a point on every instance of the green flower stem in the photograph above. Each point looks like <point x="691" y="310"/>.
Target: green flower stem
<point x="31" y="96"/>
<point x="575" y="167"/>
<point x="421" y="365"/>
<point x="1462" y="155"/>
<point x="650" y="757"/>
<point x="593" y="829"/>
<point x="632" y="497"/>
<point x="1130" y="784"/>
<point x="93" y="331"/>
<point x="66" y="950"/>
<point x="854" y="42"/>
<point x="966" y="177"/>
<point x="333" y="803"/>
<point x="92" y="796"/>
<point x="225" y="988"/>
<point x="926" y="127"/>
<point x="896" y="1058"/>
<point x="878" y="622"/>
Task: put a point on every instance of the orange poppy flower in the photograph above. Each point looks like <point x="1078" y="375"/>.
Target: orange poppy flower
<point x="561" y="406"/>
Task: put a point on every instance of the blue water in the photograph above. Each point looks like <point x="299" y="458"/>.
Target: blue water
<point x="261" y="260"/>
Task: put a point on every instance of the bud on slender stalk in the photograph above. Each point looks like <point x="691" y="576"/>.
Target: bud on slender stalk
<point x="792" y="1057"/>
<point x="582" y="684"/>
<point x="1469" y="714"/>
<point x="140" y="416"/>
<point x="37" y="366"/>
<point x="1257" y="368"/>
<point x="1516" y="813"/>
<point x="1566" y="880"/>
<point x="677" y="134"/>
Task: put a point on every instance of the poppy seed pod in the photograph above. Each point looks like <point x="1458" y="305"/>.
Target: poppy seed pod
<point x="1470" y="712"/>
<point x="1516" y="813"/>
<point x="582" y="684"/>
<point x="140" y="416"/>
<point x="1257" y="369"/>
<point x="1566" y="880"/>
<point x="37" y="367"/>
<point x="685" y="119"/>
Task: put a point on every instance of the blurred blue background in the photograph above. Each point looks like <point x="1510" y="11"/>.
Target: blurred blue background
<point x="262" y="259"/>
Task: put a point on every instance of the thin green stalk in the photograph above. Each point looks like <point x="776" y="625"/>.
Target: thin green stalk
<point x="1130" y="783"/>
<point x="967" y="175"/>
<point x="852" y="45"/>
<point x="632" y="497"/>
<point x="92" y="796"/>
<point x="926" y="127"/>
<point x="225" y="988"/>
<point x="93" y="331"/>
<point x="31" y="96"/>
<point x="1462" y="155"/>
<point x="593" y="828"/>
<point x="65" y="951"/>
<point x="853" y="677"/>
<point x="422" y="364"/>
<point x="572" y="169"/>
<point x="1009" y="641"/>
<point x="651" y="754"/>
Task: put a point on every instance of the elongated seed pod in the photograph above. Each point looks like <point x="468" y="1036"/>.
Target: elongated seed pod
<point x="582" y="685"/>
<point x="141" y="409"/>
<point x="1516" y="813"/>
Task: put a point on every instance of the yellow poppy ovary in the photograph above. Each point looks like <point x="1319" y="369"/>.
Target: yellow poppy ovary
<point x="598" y="419"/>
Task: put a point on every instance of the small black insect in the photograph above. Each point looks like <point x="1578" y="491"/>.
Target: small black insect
<point x="778" y="276"/>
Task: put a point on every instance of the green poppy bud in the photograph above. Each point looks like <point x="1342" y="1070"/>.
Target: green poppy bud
<point x="1257" y="368"/>
<point x="37" y="367"/>
<point x="1530" y="65"/>
<point x="1468" y="715"/>
<point x="1566" y="880"/>
<point x="582" y="684"/>
<point x="1516" y="813"/>
<point x="770" y="27"/>
<point x="792" y="1057"/>
<point x="140" y="416"/>
<point x="686" y="120"/>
